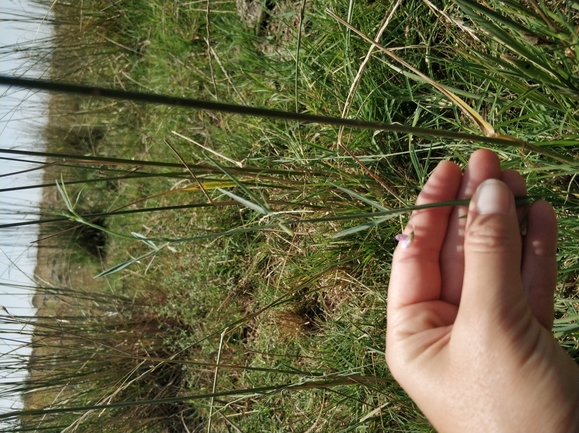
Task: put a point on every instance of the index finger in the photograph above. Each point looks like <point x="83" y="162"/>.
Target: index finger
<point x="416" y="275"/>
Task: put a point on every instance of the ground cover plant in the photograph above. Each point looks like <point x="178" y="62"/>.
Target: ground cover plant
<point x="238" y="288"/>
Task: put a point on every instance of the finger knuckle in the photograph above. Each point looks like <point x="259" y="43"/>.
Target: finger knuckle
<point x="491" y="235"/>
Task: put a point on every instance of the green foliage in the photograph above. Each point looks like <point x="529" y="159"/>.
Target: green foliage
<point x="254" y="296"/>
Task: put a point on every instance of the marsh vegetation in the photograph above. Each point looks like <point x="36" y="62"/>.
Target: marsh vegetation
<point x="238" y="291"/>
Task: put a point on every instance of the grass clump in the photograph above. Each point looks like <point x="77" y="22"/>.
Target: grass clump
<point x="220" y="307"/>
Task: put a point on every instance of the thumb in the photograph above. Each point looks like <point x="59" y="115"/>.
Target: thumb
<point x="492" y="287"/>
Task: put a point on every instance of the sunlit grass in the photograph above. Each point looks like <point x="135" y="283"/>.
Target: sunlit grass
<point x="265" y="311"/>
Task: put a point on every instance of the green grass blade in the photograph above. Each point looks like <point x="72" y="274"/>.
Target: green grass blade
<point x="361" y="227"/>
<point x="244" y="202"/>
<point x="362" y="198"/>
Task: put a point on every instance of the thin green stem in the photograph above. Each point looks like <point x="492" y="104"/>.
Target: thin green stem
<point x="152" y="98"/>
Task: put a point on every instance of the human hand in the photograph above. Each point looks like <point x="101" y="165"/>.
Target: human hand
<point x="470" y="308"/>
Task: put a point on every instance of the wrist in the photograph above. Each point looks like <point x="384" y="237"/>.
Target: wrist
<point x="571" y="396"/>
<point x="574" y="415"/>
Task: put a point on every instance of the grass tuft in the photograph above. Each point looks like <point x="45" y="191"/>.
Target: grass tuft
<point x="244" y="260"/>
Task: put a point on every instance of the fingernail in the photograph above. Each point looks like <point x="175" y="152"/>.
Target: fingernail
<point x="492" y="197"/>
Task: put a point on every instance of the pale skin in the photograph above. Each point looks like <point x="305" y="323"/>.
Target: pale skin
<point x="470" y="308"/>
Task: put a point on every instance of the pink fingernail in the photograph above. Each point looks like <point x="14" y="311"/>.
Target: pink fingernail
<point x="492" y="197"/>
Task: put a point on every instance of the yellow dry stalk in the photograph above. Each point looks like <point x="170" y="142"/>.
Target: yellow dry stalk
<point x="485" y="127"/>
